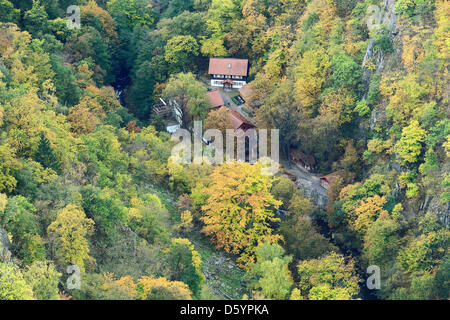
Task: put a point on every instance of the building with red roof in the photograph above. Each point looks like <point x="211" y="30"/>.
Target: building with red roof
<point x="238" y="120"/>
<point x="216" y="99"/>
<point x="228" y="73"/>
<point x="328" y="180"/>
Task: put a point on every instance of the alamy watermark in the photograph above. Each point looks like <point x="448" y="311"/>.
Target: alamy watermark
<point x="374" y="17"/>
<point x="74" y="280"/>
<point x="74" y="20"/>
<point x="252" y="145"/>
<point x="374" y="280"/>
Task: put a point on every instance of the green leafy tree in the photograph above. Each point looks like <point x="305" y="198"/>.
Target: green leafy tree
<point x="7" y="12"/>
<point x="103" y="151"/>
<point x="222" y="14"/>
<point x="412" y="7"/>
<point x="177" y="7"/>
<point x="421" y="288"/>
<point x="128" y="13"/>
<point x="21" y="221"/>
<point x="328" y="278"/>
<point x="180" y="52"/>
<point x="106" y="209"/>
<point x="442" y="279"/>
<point x="302" y="239"/>
<point x="284" y="190"/>
<point x="149" y="218"/>
<point x="298" y="230"/>
<point x="213" y="47"/>
<point x="36" y="19"/>
<point x="43" y="279"/>
<point x="270" y="275"/>
<point x="185" y="264"/>
<point x="345" y="71"/>
<point x="13" y="285"/>
<point x="67" y="90"/>
<point x="381" y="242"/>
<point x="423" y="252"/>
<point x="190" y="96"/>
<point x="90" y="46"/>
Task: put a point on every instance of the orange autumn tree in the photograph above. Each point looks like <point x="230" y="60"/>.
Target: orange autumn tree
<point x="240" y="209"/>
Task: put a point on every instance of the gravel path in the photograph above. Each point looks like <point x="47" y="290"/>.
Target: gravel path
<point x="308" y="182"/>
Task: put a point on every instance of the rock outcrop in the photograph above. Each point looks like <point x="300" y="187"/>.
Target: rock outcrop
<point x="387" y="19"/>
<point x="5" y="245"/>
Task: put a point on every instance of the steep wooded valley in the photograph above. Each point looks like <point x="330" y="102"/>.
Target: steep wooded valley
<point x="93" y="205"/>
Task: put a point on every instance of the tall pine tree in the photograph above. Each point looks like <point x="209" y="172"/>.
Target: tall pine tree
<point x="45" y="154"/>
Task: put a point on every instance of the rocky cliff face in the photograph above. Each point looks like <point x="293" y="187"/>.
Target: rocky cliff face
<point x="384" y="63"/>
<point x="5" y="245"/>
<point x="384" y="17"/>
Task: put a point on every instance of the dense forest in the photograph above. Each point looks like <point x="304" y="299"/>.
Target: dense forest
<point x="92" y="206"/>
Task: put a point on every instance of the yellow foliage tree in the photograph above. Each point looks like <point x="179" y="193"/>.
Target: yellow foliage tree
<point x="409" y="146"/>
<point x="162" y="289"/>
<point x="368" y="211"/>
<point x="7" y="163"/>
<point x="186" y="221"/>
<point x="124" y="288"/>
<point x="219" y="119"/>
<point x="240" y="209"/>
<point x="310" y="78"/>
<point x="69" y="231"/>
<point x="406" y="96"/>
<point x="338" y="106"/>
<point x="82" y="120"/>
<point x="213" y="47"/>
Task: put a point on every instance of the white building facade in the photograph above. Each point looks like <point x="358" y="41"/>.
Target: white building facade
<point x="228" y="73"/>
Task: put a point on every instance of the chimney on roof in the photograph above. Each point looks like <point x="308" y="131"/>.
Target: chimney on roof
<point x="229" y="66"/>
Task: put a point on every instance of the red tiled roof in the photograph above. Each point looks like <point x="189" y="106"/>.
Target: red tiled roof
<point x="238" y="119"/>
<point x="228" y="66"/>
<point x="216" y="98"/>
<point x="331" y="178"/>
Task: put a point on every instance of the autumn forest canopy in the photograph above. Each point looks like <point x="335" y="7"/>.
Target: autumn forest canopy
<point x="93" y="205"/>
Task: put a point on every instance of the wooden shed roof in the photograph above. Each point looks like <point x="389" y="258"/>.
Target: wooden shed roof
<point x="216" y="98"/>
